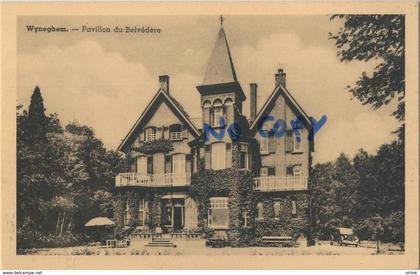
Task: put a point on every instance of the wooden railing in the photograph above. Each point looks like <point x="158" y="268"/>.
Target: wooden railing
<point x="285" y="183"/>
<point x="155" y="180"/>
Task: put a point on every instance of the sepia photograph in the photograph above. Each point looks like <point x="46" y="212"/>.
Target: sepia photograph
<point x="225" y="134"/>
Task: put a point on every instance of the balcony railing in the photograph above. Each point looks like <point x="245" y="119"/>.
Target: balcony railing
<point x="175" y="135"/>
<point x="155" y="180"/>
<point x="285" y="183"/>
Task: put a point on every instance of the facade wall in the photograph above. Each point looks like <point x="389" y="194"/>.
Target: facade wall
<point x="282" y="158"/>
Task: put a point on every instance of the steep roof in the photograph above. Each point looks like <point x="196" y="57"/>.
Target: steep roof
<point x="281" y="90"/>
<point x="174" y="105"/>
<point x="220" y="68"/>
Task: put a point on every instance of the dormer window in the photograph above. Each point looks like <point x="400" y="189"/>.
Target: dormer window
<point x="150" y="134"/>
<point x="217" y="112"/>
<point x="175" y="132"/>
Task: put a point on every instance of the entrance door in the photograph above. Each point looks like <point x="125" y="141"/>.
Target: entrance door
<point x="178" y="218"/>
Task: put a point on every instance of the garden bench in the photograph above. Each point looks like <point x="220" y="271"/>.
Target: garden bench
<point x="277" y="240"/>
<point x="111" y="243"/>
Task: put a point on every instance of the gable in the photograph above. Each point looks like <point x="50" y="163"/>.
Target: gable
<point x="292" y="107"/>
<point x="161" y="110"/>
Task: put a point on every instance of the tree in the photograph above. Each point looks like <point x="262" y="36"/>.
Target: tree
<point x="64" y="177"/>
<point x="378" y="37"/>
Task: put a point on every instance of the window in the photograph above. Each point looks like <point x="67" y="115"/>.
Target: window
<point x="167" y="215"/>
<point x="178" y="164"/>
<point x="260" y="211"/>
<point x="276" y="210"/>
<point x="168" y="164"/>
<point x="150" y="134"/>
<point x="218" y="215"/>
<point x="264" y="145"/>
<point x="142" y="165"/>
<point x="244" y="157"/>
<point x="297" y="140"/>
<point x="289" y="170"/>
<point x="294" y="208"/>
<point x="245" y="217"/>
<point x="126" y="214"/>
<point x="267" y="171"/>
<point x="175" y="132"/>
<point x="142" y="212"/>
<point x="263" y="172"/>
<point x="297" y="170"/>
<point x="217" y="112"/>
<point x="150" y="165"/>
<point x="206" y="112"/>
<point x="218" y="157"/>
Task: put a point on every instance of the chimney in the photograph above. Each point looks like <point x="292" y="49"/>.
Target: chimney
<point x="253" y="101"/>
<point x="164" y="83"/>
<point x="280" y="77"/>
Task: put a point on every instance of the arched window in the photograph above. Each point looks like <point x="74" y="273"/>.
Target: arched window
<point x="217" y="112"/>
<point x="228" y="101"/>
<point x="175" y="132"/>
<point x="206" y="112"/>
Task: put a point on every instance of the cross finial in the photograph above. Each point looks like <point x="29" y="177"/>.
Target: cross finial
<point x="221" y="20"/>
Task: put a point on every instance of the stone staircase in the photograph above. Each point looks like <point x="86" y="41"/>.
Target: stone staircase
<point x="161" y="242"/>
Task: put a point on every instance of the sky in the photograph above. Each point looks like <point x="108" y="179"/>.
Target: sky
<point x="105" y="80"/>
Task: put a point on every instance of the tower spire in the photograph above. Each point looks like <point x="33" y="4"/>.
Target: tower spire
<point x="220" y="68"/>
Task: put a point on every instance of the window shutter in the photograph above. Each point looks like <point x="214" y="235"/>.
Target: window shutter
<point x="159" y="132"/>
<point x="188" y="163"/>
<point x="271" y="144"/>
<point x="289" y="141"/>
<point x="168" y="164"/>
<point x="141" y="136"/>
<point x="184" y="132"/>
<point x="228" y="155"/>
<point x="207" y="156"/>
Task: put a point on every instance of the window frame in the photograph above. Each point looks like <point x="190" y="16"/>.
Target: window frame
<point x="297" y="146"/>
<point x="218" y="203"/>
<point x="142" y="210"/>
<point x="150" y="136"/>
<point x="126" y="218"/>
<point x="175" y="135"/>
<point x="278" y="212"/>
<point x="260" y="217"/>
<point x="220" y="157"/>
<point x="218" y="109"/>
<point x="247" y="157"/>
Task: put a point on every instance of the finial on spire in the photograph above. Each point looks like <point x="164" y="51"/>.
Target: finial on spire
<point x="221" y="20"/>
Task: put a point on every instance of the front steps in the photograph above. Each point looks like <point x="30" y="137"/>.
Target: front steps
<point x="160" y="242"/>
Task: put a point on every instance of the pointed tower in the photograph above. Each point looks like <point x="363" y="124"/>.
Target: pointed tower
<point x="221" y="93"/>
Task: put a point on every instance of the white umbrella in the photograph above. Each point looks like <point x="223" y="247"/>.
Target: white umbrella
<point x="99" y="221"/>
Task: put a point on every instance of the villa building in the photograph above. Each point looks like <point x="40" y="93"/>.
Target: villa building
<point x="186" y="176"/>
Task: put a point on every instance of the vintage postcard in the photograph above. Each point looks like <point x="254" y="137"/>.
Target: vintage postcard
<point x="210" y="135"/>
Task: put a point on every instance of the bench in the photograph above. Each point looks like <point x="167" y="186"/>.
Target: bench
<point x="216" y="242"/>
<point x="277" y="240"/>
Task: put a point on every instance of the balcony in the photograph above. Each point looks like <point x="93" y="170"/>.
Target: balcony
<point x="155" y="180"/>
<point x="285" y="183"/>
